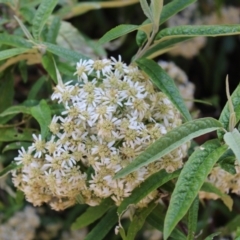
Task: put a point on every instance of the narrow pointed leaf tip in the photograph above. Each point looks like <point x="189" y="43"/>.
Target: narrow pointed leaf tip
<point x="171" y="141"/>
<point x="191" y="178"/>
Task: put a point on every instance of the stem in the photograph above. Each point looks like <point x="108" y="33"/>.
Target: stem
<point x="148" y="44"/>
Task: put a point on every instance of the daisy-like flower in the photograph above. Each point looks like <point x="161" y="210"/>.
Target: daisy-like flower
<point x="38" y="146"/>
<point x="24" y="157"/>
<point x="83" y="68"/>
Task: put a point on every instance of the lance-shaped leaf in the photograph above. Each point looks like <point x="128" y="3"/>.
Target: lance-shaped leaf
<point x="53" y="30"/>
<point x="92" y="214"/>
<point x="37" y="86"/>
<point x="138" y="220"/>
<point x="195" y="31"/>
<point x="160" y="47"/>
<point x="173" y="8"/>
<point x="14" y="40"/>
<point x="12" y="134"/>
<point x="227" y="200"/>
<point x="42" y="14"/>
<point x="156" y="8"/>
<point x="146" y="9"/>
<point x="12" y="52"/>
<point x="48" y="64"/>
<point x="227" y="162"/>
<point x="192" y="219"/>
<point x="64" y="53"/>
<point x="190" y="181"/>
<point x="150" y="184"/>
<point x="232" y="139"/>
<point x="225" y="114"/>
<point x="168" y="10"/>
<point x="9" y="168"/>
<point x="116" y="32"/>
<point x="171" y="141"/>
<point x="15" y="110"/>
<point x="165" y="83"/>
<point x="42" y="114"/>
<point x="104" y="226"/>
<point x="15" y="145"/>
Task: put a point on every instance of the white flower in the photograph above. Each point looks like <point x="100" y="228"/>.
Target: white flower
<point x="83" y="69"/>
<point x="24" y="157"/>
<point x="38" y="146"/>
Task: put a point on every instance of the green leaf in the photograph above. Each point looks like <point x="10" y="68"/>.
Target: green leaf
<point x="168" y="10"/>
<point x="190" y="181"/>
<point x="64" y="53"/>
<point x="150" y="184"/>
<point x="53" y="30"/>
<point x="42" y="114"/>
<point x="12" y="52"/>
<point x="42" y="14"/>
<point x="195" y="31"/>
<point x="28" y="13"/>
<point x="30" y="3"/>
<point x="165" y="83"/>
<point x="116" y="32"/>
<point x="162" y="46"/>
<point x="225" y="114"/>
<point x="14" y="40"/>
<point x="15" y="145"/>
<point x="146" y="9"/>
<point x="192" y="219"/>
<point x="92" y="214"/>
<point x="156" y="9"/>
<point x="36" y="87"/>
<point x="6" y="90"/>
<point x="156" y="219"/>
<point x="9" y="168"/>
<point x="173" y="8"/>
<point x="15" y="110"/>
<point x="104" y="226"/>
<point x="211" y="237"/>
<point x="48" y="64"/>
<point x="228" y="164"/>
<point x="24" y="29"/>
<point x="227" y="200"/>
<point x="138" y="220"/>
<point x="169" y="142"/>
<point x="232" y="139"/>
<point x="12" y="134"/>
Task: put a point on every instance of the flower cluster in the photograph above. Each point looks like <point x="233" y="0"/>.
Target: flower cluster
<point x="224" y="181"/>
<point x="112" y="114"/>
